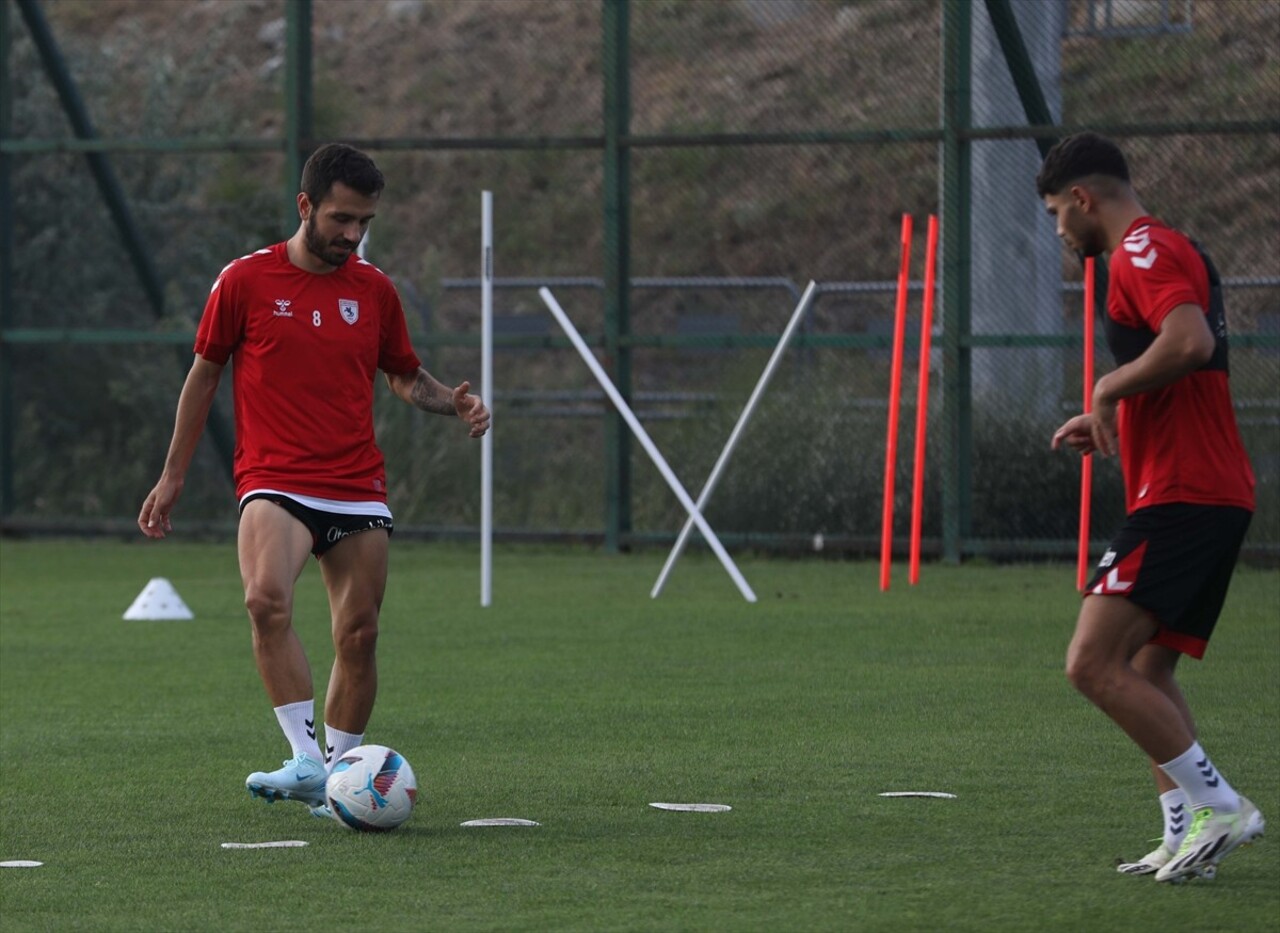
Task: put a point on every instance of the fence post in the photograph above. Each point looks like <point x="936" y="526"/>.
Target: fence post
<point x="297" y="103"/>
<point x="617" y="263"/>
<point x="957" y="414"/>
<point x="7" y="433"/>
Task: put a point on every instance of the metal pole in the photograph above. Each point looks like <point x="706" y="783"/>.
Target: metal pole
<point x="617" y="263"/>
<point x="7" y="432"/>
<point x="297" y="103"/>
<point x="487" y="393"/>
<point x="957" y="447"/>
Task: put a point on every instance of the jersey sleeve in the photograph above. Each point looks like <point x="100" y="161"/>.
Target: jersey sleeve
<point x="222" y="323"/>
<point x="1157" y="275"/>
<point x="395" y="351"/>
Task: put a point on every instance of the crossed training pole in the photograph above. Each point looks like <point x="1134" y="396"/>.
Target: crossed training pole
<point x="649" y="447"/>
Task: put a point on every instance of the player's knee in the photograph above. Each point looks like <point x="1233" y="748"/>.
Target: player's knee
<point x="359" y="640"/>
<point x="1084" y="674"/>
<point x="269" y="609"/>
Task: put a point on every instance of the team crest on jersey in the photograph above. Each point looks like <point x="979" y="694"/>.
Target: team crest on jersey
<point x="350" y="310"/>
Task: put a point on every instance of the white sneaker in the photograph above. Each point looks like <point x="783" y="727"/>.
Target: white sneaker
<point x="1149" y="864"/>
<point x="301" y="778"/>
<point x="1212" y="837"/>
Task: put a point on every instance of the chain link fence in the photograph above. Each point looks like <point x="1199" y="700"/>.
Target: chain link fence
<point x="770" y="142"/>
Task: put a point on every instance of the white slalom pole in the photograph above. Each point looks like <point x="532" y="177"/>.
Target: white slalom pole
<point x="650" y="448"/>
<point x="805" y="300"/>
<point x="486" y="393"/>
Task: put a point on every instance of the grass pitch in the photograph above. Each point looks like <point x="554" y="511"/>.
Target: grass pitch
<point x="575" y="700"/>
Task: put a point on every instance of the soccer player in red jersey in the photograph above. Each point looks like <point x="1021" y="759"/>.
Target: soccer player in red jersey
<point x="1166" y="409"/>
<point x="308" y="326"/>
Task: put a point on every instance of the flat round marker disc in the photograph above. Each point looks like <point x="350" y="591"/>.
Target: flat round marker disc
<point x="279" y="844"/>
<point x="693" y="807"/>
<point x="918" y="793"/>
<point x="500" y="821"/>
<point x="20" y="863"/>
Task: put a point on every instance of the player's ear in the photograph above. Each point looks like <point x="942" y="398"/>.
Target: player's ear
<point x="304" y="205"/>
<point x="1084" y="197"/>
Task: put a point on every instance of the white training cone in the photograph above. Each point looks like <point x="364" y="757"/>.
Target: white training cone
<point x="158" y="600"/>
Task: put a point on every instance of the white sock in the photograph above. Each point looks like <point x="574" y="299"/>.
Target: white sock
<point x="1204" y="786"/>
<point x="298" y="720"/>
<point x="338" y="743"/>
<point x="1177" y="818"/>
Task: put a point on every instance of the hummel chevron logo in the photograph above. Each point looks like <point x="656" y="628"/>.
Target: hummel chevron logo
<point x="1113" y="584"/>
<point x="328" y="754"/>
<point x="1206" y="771"/>
<point x="1138" y="242"/>
<point x="1177" y="818"/>
<point x="311" y="728"/>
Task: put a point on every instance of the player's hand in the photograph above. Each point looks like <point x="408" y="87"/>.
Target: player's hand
<point x="1104" y="420"/>
<point x="1076" y="434"/>
<point x="154" y="517"/>
<point x="471" y="409"/>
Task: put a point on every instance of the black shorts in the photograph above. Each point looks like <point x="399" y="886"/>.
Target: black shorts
<point x="1175" y="561"/>
<point x="327" y="528"/>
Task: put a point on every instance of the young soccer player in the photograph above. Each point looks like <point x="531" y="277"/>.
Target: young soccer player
<point x="1166" y="409"/>
<point x="308" y="326"/>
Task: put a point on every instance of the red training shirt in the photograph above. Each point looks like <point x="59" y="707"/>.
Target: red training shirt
<point x="305" y="350"/>
<point x="1178" y="443"/>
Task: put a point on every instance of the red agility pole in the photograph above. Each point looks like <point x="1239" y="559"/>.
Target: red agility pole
<point x="922" y="398"/>
<point x="895" y="401"/>
<point x="1086" y="464"/>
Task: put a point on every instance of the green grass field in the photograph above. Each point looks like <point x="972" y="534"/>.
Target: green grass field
<point x="576" y="700"/>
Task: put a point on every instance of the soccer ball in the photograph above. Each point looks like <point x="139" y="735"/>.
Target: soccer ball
<point x="371" y="788"/>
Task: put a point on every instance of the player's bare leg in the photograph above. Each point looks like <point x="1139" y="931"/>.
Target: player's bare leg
<point x="1110" y="631"/>
<point x="355" y="575"/>
<point x="273" y="548"/>
<point x="1157" y="664"/>
<point x="1109" y="634"/>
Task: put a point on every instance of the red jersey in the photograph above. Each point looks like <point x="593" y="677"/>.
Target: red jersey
<point x="306" y="350"/>
<point x="1178" y="443"/>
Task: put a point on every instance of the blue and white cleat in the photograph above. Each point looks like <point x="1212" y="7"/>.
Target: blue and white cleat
<point x="301" y="778"/>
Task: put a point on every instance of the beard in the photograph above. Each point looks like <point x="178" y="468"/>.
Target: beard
<point x="334" y="253"/>
<point x="1092" y="243"/>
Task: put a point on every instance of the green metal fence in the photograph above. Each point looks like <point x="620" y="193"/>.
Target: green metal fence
<point x="678" y="170"/>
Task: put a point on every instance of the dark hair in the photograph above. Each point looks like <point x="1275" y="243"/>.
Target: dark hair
<point x="1077" y="156"/>
<point x="339" y="162"/>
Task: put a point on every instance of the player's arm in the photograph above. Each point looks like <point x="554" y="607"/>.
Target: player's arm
<point x="197" y="396"/>
<point x="1183" y="345"/>
<point x="422" y="390"/>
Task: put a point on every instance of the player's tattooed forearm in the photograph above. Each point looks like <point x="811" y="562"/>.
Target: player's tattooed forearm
<point x="426" y="395"/>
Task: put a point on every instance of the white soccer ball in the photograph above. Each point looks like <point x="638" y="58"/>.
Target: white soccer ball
<point x="371" y="788"/>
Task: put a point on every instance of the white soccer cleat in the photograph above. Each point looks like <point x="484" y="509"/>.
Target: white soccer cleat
<point x="1212" y="837"/>
<point x="301" y="778"/>
<point x="1149" y="864"/>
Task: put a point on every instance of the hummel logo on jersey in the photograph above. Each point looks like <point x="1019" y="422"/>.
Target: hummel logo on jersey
<point x="1139" y="242"/>
<point x="282" y="308"/>
<point x="349" y="309"/>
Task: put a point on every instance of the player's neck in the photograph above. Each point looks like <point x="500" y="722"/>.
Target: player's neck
<point x="1119" y="219"/>
<point x="303" y="258"/>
